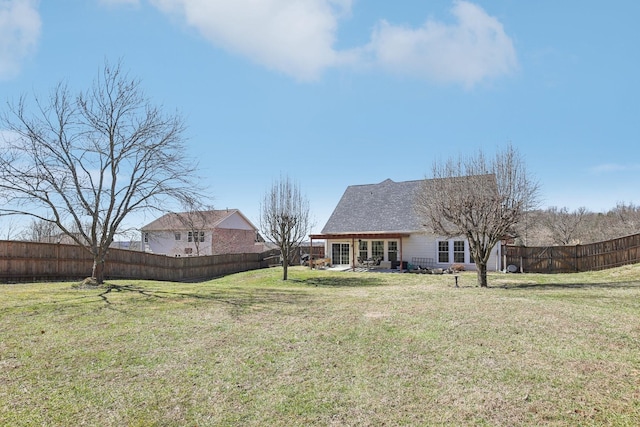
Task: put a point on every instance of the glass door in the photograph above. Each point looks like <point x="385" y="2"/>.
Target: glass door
<point x="339" y="253"/>
<point x="392" y="251"/>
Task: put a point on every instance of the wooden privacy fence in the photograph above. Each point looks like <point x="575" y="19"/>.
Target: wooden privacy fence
<point x="29" y="261"/>
<point x="571" y="259"/>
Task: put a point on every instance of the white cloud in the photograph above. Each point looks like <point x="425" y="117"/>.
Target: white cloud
<point x="473" y="49"/>
<point x="19" y="33"/>
<point x="295" y="37"/>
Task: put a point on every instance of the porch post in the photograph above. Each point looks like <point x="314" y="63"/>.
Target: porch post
<point x="400" y="254"/>
<point x="353" y="253"/>
<point x="311" y="254"/>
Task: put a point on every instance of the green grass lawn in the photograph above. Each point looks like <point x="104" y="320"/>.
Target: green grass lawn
<point x="325" y="348"/>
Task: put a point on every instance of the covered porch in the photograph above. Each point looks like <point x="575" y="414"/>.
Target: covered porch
<point x="358" y="250"/>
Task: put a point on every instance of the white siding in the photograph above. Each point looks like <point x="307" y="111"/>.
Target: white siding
<point x="165" y="243"/>
<point x="418" y="246"/>
<point x="424" y="245"/>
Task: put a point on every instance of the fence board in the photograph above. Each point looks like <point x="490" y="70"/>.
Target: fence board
<point x="31" y="261"/>
<point x="571" y="259"/>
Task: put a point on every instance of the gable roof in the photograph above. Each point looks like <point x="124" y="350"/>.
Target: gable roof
<point x="187" y="220"/>
<point x="384" y="207"/>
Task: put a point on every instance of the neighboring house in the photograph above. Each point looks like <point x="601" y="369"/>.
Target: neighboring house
<point x="214" y="232"/>
<point x="130" y="245"/>
<point x="378" y="221"/>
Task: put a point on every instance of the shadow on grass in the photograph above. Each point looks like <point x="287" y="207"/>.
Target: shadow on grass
<point x="342" y="282"/>
<point x="239" y="299"/>
<point x="551" y="286"/>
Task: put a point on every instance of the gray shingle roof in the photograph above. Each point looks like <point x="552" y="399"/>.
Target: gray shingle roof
<point x="384" y="207"/>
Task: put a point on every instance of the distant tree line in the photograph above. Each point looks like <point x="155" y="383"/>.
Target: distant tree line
<point x="560" y="226"/>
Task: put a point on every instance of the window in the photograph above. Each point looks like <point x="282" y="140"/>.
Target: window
<point x="177" y="236"/>
<point x="377" y="249"/>
<point x="363" y="249"/>
<point x="458" y="251"/>
<point x="443" y="252"/>
<point x="195" y="236"/>
<point x="146" y="237"/>
<point x="392" y="251"/>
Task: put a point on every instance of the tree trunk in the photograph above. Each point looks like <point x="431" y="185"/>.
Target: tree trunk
<point x="97" y="272"/>
<point x="482" y="274"/>
<point x="285" y="268"/>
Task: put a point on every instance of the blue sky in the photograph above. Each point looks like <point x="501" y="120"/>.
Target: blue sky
<point x="340" y="92"/>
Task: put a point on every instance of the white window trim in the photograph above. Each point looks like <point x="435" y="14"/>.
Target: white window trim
<point x="451" y="252"/>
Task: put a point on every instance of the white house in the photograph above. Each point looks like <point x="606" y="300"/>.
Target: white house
<point x="211" y="232"/>
<point x="379" y="222"/>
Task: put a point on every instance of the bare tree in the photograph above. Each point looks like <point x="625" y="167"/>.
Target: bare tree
<point x="194" y="218"/>
<point x="565" y="226"/>
<point x="86" y="162"/>
<point x="284" y="218"/>
<point x="9" y="230"/>
<point x="560" y="226"/>
<point x="626" y="218"/>
<point x="478" y="198"/>
<point x="41" y="231"/>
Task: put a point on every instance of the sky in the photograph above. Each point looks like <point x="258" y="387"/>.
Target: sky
<point x="333" y="93"/>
